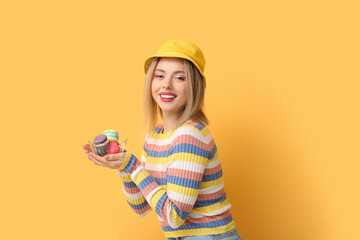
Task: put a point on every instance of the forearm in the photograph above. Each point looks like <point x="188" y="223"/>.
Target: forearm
<point x="135" y="198"/>
<point x="172" y="205"/>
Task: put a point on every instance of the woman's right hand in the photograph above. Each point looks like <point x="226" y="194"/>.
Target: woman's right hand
<point x="113" y="161"/>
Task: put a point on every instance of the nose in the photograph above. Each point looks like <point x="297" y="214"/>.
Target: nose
<point x="166" y="83"/>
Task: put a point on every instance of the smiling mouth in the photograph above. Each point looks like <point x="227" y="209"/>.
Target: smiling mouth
<point x="167" y="96"/>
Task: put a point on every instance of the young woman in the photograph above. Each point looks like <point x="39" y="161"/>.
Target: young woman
<point x="179" y="174"/>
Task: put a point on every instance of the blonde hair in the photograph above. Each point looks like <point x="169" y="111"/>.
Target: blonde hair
<point x="193" y="109"/>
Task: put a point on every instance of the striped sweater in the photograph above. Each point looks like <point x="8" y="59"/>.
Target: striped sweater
<point x="180" y="177"/>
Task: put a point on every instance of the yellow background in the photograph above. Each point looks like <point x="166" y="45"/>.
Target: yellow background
<point x="282" y="98"/>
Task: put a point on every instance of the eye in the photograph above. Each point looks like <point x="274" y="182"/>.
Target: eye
<point x="158" y="76"/>
<point x="180" y="78"/>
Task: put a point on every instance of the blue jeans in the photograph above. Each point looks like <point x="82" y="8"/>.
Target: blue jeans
<point x="230" y="235"/>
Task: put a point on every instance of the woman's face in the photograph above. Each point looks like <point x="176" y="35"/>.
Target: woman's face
<point x="169" y="86"/>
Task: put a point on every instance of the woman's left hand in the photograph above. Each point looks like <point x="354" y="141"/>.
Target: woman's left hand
<point x="113" y="161"/>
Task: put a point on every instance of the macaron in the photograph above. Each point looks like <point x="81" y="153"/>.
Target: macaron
<point x="112" y="135"/>
<point x="101" y="141"/>
<point x="113" y="147"/>
<point x="100" y="152"/>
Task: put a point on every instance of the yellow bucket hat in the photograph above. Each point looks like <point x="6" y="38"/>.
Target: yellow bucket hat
<point x="181" y="49"/>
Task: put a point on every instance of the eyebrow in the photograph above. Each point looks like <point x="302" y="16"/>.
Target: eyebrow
<point x="160" y="70"/>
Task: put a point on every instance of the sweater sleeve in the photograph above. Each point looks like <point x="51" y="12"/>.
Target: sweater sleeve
<point x="188" y="155"/>
<point x="135" y="198"/>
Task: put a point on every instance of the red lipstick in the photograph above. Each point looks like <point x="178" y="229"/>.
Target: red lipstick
<point x="167" y="96"/>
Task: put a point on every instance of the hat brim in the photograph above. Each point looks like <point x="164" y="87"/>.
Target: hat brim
<point x="172" y="54"/>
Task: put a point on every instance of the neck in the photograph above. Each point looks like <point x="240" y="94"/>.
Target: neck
<point x="169" y="121"/>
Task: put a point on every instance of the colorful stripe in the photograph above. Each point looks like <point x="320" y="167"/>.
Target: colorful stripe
<point x="181" y="178"/>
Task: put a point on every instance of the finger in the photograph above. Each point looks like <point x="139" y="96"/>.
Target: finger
<point x="95" y="160"/>
<point x="115" y="157"/>
<point x="113" y="164"/>
<point x="98" y="158"/>
<point x="86" y="147"/>
<point x="91" y="158"/>
<point x="112" y="157"/>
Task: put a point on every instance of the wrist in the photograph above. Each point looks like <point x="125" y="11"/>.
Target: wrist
<point x="128" y="163"/>
<point x="125" y="162"/>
